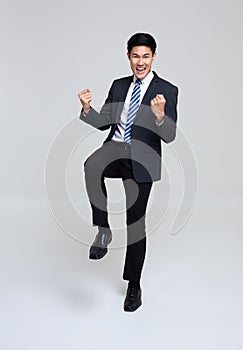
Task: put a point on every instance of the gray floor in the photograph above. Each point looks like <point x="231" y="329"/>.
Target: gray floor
<point x="52" y="296"/>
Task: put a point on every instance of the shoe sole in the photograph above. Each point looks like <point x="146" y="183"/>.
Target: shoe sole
<point x="127" y="309"/>
<point x="96" y="257"/>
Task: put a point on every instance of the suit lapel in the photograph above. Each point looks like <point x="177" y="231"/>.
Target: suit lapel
<point x="150" y="93"/>
<point x="124" y="88"/>
<point x="121" y="97"/>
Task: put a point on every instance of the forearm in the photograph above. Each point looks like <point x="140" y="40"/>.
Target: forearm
<point x="100" y="121"/>
<point x="167" y="130"/>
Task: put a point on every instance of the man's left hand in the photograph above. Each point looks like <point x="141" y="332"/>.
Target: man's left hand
<point x="157" y="105"/>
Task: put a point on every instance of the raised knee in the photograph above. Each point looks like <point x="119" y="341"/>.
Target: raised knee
<point x="92" y="164"/>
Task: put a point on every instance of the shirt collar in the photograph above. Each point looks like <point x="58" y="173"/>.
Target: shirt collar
<point x="145" y="80"/>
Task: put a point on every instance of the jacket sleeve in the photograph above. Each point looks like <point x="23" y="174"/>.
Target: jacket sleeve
<point x="101" y="120"/>
<point x="167" y="131"/>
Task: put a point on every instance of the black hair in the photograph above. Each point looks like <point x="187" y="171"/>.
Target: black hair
<point x="141" y="39"/>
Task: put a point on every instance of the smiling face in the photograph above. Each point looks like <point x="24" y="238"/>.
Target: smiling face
<point x="141" y="59"/>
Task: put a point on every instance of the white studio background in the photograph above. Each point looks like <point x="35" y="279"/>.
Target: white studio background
<point x="50" y="51"/>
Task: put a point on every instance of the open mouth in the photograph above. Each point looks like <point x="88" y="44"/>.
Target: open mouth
<point x="140" y="69"/>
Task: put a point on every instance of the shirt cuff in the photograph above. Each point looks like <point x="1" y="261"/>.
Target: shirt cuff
<point x="159" y="124"/>
<point x="83" y="113"/>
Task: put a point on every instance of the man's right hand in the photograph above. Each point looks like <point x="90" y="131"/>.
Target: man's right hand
<point x="85" y="99"/>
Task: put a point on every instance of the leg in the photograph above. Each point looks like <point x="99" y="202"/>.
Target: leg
<point x="103" y="162"/>
<point x="137" y="195"/>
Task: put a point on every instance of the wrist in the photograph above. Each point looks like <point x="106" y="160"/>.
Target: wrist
<point x="160" y="117"/>
<point x="86" y="110"/>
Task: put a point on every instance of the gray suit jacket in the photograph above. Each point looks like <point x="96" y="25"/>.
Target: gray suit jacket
<point x="146" y="135"/>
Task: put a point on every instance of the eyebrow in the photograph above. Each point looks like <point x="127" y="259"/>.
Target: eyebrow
<point x="136" y="54"/>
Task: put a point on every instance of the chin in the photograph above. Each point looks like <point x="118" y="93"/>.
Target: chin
<point x="142" y="75"/>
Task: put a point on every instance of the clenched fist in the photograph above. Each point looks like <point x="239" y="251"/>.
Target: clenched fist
<point x="157" y="105"/>
<point x="85" y="99"/>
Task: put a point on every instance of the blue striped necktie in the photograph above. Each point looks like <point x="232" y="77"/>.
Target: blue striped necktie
<point x="133" y="108"/>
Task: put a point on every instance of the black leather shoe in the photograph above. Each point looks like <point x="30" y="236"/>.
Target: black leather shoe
<point x="99" y="247"/>
<point x="133" y="299"/>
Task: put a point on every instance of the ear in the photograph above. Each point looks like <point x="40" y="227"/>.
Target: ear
<point x="128" y="55"/>
<point x="154" y="55"/>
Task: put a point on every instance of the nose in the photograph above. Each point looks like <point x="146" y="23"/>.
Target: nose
<point x="140" y="61"/>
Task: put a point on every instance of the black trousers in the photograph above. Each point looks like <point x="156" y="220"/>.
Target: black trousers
<point x="113" y="160"/>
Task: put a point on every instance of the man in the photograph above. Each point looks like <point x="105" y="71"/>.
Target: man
<point x="140" y="110"/>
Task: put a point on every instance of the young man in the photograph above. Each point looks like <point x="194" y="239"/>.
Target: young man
<point x="140" y="110"/>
